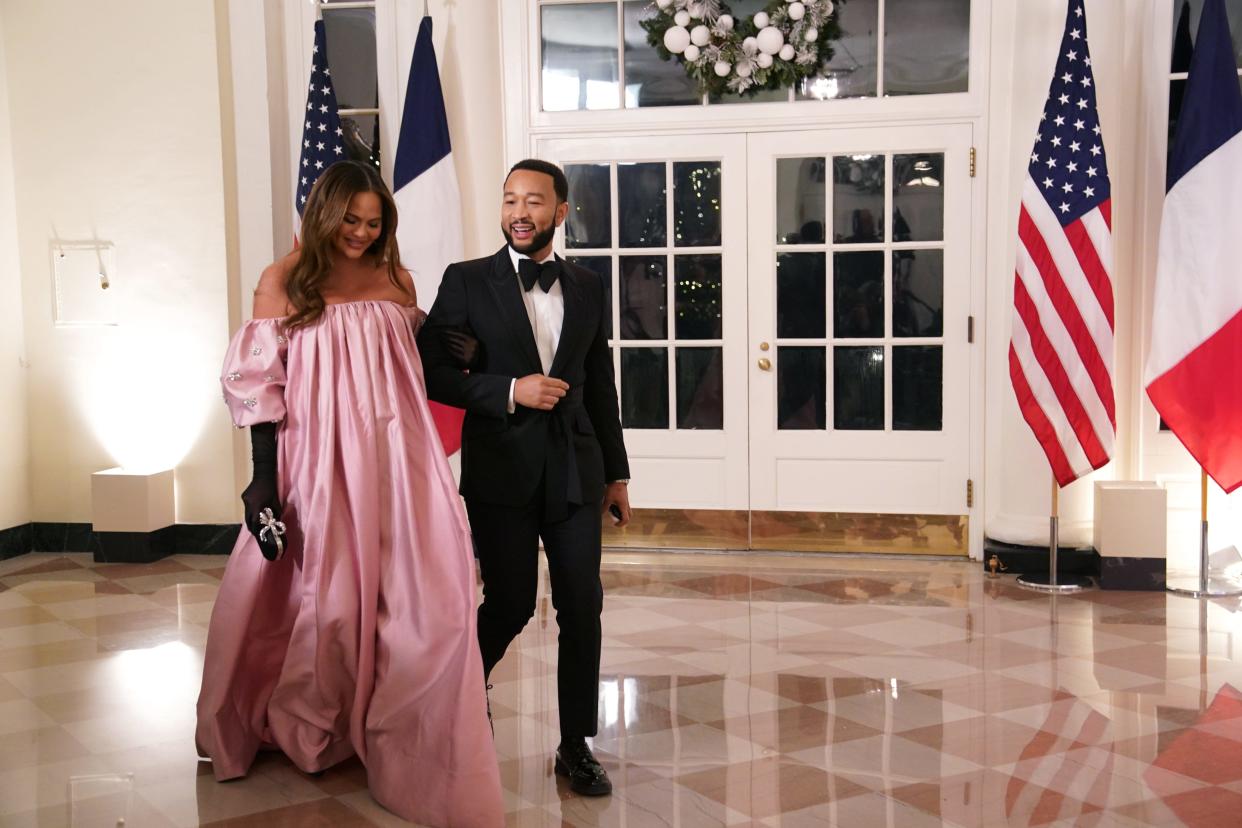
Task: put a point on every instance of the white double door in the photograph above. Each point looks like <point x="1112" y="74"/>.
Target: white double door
<point x="789" y="313"/>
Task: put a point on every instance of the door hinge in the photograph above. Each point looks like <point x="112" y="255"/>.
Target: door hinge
<point x="970" y="329"/>
<point x="970" y="494"/>
<point x="972" y="162"/>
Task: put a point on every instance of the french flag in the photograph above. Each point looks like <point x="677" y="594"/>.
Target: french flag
<point x="1194" y="368"/>
<point x="428" y="201"/>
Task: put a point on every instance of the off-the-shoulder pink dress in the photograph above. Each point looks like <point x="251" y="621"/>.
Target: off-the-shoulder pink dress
<point x="361" y="640"/>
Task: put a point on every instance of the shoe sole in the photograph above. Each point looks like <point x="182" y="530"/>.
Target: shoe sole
<point x="563" y="770"/>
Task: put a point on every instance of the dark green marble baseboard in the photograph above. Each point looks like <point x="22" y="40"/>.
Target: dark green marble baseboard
<point x="1017" y="559"/>
<point x="181" y="538"/>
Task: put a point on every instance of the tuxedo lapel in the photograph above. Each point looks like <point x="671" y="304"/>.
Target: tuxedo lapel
<point x="504" y="287"/>
<point x="572" y="324"/>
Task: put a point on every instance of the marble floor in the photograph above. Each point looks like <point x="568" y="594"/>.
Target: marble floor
<point x="771" y="691"/>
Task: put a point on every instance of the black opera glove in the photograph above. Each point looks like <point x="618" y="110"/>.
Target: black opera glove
<point x="465" y="350"/>
<point x="261" y="498"/>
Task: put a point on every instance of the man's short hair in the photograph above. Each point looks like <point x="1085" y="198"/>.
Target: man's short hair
<point x="559" y="182"/>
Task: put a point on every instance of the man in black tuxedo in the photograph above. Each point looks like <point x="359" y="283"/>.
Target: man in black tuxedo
<point x="542" y="452"/>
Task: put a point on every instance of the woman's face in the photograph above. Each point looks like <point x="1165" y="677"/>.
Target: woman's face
<point x="362" y="225"/>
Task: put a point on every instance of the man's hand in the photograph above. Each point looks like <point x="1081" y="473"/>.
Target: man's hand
<point x="618" y="493"/>
<point x="538" y="391"/>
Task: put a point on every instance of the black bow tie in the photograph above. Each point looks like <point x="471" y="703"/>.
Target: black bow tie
<point x="546" y="274"/>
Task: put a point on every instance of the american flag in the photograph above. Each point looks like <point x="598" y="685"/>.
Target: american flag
<point x="1061" y="350"/>
<point x="1065" y="771"/>
<point x="322" y="136"/>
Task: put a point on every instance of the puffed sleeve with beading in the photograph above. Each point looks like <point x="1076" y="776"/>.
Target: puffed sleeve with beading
<point x="254" y="373"/>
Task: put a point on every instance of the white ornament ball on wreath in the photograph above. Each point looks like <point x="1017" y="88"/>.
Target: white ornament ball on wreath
<point x="770" y="40"/>
<point x="725" y="22"/>
<point x="796" y="10"/>
<point x="682" y="18"/>
<point x="692" y="53"/>
<point x="744" y="70"/>
<point x="812" y="34"/>
<point x="676" y="39"/>
<point x="700" y="35"/>
<point x="723" y="68"/>
<point x="750" y="45"/>
<point x="828" y="7"/>
<point x="761" y="20"/>
<point x="787" y="52"/>
<point x="664" y="4"/>
<point x="764" y="60"/>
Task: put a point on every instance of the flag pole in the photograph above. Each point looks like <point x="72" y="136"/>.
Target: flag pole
<point x="1051" y="582"/>
<point x="1203" y="530"/>
<point x="1204" y="586"/>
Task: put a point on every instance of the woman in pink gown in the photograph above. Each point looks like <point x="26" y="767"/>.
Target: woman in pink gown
<point x="359" y="639"/>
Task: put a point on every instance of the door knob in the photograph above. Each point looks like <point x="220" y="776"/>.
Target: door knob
<point x="763" y="346"/>
<point x="765" y="364"/>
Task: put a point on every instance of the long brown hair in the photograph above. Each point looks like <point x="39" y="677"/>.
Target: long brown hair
<point x="321" y="219"/>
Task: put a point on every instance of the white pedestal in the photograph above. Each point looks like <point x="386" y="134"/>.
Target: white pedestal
<point x="1130" y="533"/>
<point x="132" y="514"/>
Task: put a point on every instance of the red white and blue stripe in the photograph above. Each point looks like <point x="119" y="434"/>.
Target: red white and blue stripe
<point x="322" y="137"/>
<point x="1061" y="350"/>
<point x="1194" y="365"/>
<point x="428" y="199"/>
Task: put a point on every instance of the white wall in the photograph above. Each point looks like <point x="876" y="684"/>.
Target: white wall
<point x="14" y="458"/>
<point x="268" y="59"/>
<point x="467" y="40"/>
<point x="1130" y="51"/>
<point x="1025" y="37"/>
<point x="116" y="137"/>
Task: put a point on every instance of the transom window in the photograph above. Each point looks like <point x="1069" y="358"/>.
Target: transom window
<point x="595" y="55"/>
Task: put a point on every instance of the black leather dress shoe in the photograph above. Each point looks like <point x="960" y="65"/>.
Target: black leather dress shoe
<point x="586" y="776"/>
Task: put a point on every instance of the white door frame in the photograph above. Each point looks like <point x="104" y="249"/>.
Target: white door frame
<point x="899" y="472"/>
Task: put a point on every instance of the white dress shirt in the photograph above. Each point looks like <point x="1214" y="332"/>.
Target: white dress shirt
<point x="546" y="312"/>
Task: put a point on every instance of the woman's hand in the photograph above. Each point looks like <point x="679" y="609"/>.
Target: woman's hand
<point x="259" y="495"/>
<point x="465" y="350"/>
<point x="262" y="493"/>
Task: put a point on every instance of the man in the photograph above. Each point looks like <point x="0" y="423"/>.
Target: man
<point x="542" y="449"/>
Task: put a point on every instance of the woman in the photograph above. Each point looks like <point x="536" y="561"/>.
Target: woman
<point x="353" y="633"/>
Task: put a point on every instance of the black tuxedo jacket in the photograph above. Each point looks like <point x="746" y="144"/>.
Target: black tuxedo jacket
<point x="506" y="456"/>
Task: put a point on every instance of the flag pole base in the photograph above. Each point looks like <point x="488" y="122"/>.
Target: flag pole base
<point x="1061" y="584"/>
<point x="1193" y="587"/>
<point x="1204" y="585"/>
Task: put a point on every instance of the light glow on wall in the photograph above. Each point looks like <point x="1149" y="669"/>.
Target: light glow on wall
<point x="141" y="395"/>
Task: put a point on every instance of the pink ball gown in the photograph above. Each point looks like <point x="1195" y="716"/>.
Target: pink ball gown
<point x="361" y="640"/>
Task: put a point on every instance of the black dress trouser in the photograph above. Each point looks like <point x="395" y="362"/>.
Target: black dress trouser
<point x="507" y="544"/>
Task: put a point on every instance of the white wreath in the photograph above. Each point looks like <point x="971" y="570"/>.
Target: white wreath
<point x="786" y="42"/>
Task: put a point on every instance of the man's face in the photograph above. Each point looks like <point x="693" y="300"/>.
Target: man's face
<point x="529" y="213"/>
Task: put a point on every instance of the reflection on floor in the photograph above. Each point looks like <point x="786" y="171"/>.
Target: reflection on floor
<point x="772" y="691"/>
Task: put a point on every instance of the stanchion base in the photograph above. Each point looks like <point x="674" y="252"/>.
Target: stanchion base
<point x="1216" y="587"/>
<point x="1065" y="583"/>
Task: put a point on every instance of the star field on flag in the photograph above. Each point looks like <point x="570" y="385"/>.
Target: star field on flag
<point x="1067" y="161"/>
<point x="322" y="137"/>
<point x="1061" y="350"/>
